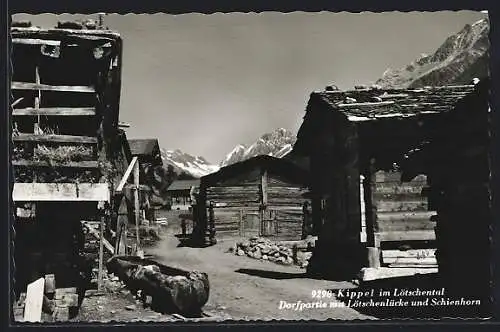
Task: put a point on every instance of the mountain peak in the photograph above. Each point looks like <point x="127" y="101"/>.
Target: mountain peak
<point x="185" y="163"/>
<point x="277" y="143"/>
<point x="461" y="57"/>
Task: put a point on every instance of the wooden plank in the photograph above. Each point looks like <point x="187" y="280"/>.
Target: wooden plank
<point x="263" y="184"/>
<point x="410" y="260"/>
<point x="34" y="301"/>
<point x="38" y="192"/>
<point x="409" y="253"/>
<point x="399" y="197"/>
<point x="408" y="216"/>
<point x="46" y="87"/>
<point x="395" y="206"/>
<point x="425" y="235"/>
<point x="71" y="164"/>
<point x="24" y="137"/>
<point x="125" y="177"/>
<point x="55" y="111"/>
<point x="368" y="274"/>
<point x="382" y="176"/>
<point x="391" y="188"/>
<point x="36" y="41"/>
<point x="405" y="226"/>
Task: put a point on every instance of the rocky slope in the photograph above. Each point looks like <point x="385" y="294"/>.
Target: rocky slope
<point x="462" y="57"/>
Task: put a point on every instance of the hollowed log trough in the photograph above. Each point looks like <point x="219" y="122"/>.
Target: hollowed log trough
<point x="171" y="290"/>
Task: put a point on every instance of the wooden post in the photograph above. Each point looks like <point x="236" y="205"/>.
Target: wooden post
<point x="101" y="253"/>
<point x="211" y="218"/>
<point x="372" y="238"/>
<point x="137" y="208"/>
<point x="241" y="222"/>
<point x="38" y="98"/>
<point x="373" y="257"/>
<point x="262" y="212"/>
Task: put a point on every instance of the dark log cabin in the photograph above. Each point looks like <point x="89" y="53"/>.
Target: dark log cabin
<point x="456" y="159"/>
<point x="356" y="141"/>
<point x="261" y="196"/>
<point x="180" y="191"/>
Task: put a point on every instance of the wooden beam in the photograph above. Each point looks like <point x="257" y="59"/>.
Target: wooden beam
<point x="409" y="253"/>
<point x="137" y="208"/>
<point x="55" y="111"/>
<point x="72" y="164"/>
<point x="24" y="137"/>
<point x="82" y="192"/>
<point x="105" y="242"/>
<point x="370" y="273"/>
<point x="426" y="235"/>
<point x="409" y="216"/>
<point x="34" y="41"/>
<point x="46" y="87"/>
<point x="34" y="301"/>
<point x="264" y="188"/>
<point x="142" y="187"/>
<point x="125" y="177"/>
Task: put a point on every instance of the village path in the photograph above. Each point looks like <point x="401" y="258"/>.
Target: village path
<point x="246" y="288"/>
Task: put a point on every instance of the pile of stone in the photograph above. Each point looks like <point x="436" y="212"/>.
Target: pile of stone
<point x="286" y="253"/>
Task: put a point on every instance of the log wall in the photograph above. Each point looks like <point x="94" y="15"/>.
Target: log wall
<point x="402" y="212"/>
<point x="240" y="209"/>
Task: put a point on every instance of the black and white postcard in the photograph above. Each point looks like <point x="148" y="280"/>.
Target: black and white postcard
<point x="250" y="167"/>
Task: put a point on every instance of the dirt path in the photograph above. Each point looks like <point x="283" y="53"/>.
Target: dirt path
<point x="245" y="288"/>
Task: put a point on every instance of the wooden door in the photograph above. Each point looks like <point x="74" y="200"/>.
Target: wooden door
<point x="250" y="224"/>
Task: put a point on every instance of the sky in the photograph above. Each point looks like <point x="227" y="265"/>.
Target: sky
<point x="206" y="83"/>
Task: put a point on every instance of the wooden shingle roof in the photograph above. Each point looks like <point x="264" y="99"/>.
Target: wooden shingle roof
<point x="374" y="103"/>
<point x="183" y="184"/>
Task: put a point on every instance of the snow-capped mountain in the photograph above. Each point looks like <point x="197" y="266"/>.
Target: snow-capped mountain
<point x="278" y="144"/>
<point x="186" y="163"/>
<point x="462" y="57"/>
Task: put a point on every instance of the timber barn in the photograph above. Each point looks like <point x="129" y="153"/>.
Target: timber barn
<point x="261" y="196"/>
<point x="180" y="191"/>
<point x="356" y="141"/>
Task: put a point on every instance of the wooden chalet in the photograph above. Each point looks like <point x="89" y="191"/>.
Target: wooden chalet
<point x="181" y="191"/>
<point x="261" y="196"/>
<point x="356" y="141"/>
<point x="69" y="153"/>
